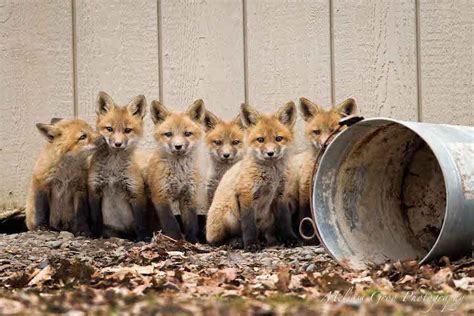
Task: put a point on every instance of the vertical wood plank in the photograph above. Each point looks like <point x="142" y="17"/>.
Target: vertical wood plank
<point x="375" y="56"/>
<point x="446" y="61"/>
<point x="203" y="57"/>
<point x="203" y="54"/>
<point x="36" y="84"/>
<point x="288" y="52"/>
<point x="117" y="51"/>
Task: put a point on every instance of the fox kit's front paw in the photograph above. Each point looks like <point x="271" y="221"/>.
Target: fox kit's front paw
<point x="236" y="243"/>
<point x="292" y="241"/>
<point x="253" y="247"/>
<point x="191" y="238"/>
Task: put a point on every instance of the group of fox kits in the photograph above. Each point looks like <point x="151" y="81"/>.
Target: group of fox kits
<point x="96" y="183"/>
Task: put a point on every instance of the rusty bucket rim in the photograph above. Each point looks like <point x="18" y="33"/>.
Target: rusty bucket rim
<point x="429" y="143"/>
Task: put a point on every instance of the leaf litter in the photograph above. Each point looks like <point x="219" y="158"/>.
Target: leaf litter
<point x="48" y="272"/>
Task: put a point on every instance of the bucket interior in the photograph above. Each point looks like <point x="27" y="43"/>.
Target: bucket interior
<point x="380" y="194"/>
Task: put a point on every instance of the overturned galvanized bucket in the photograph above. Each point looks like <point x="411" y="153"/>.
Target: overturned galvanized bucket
<point x="394" y="190"/>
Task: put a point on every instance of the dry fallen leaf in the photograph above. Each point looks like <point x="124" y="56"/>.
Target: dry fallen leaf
<point x="284" y="279"/>
<point x="466" y="284"/>
<point x="226" y="275"/>
<point x="443" y="276"/>
<point x="43" y="276"/>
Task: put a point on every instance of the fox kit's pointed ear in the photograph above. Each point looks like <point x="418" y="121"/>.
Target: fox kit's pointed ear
<point x="210" y="121"/>
<point x="104" y="103"/>
<point x="137" y="106"/>
<point x="287" y="114"/>
<point x="238" y="120"/>
<point x="347" y="107"/>
<point x="196" y="111"/>
<point x="308" y="109"/>
<point x="49" y="131"/>
<point x="158" y="112"/>
<point x="249" y="115"/>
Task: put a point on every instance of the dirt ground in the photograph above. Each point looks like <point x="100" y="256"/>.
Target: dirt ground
<point x="47" y="272"/>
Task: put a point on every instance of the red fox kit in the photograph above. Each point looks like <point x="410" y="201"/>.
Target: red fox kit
<point x="225" y="141"/>
<point x="248" y="200"/>
<point x="57" y="198"/>
<point x="173" y="174"/>
<point x="116" y="186"/>
<point x="319" y="124"/>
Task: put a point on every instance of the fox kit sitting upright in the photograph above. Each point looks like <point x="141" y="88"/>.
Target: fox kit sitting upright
<point x="248" y="201"/>
<point x="225" y="141"/>
<point x="319" y="124"/>
<point x="173" y="174"/>
<point x="57" y="198"/>
<point x="116" y="186"/>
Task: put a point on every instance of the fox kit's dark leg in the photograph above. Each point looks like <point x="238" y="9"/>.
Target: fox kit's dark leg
<point x="189" y="215"/>
<point x="81" y="214"/>
<point x="140" y="215"/>
<point x="283" y="223"/>
<point x="295" y="216"/>
<point x="169" y="224"/>
<point x="248" y="225"/>
<point x="95" y="206"/>
<point x="42" y="209"/>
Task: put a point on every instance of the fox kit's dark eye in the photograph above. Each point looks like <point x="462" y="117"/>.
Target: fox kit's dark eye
<point x="218" y="142"/>
<point x="260" y="139"/>
<point x="83" y="136"/>
<point x="235" y="142"/>
<point x="331" y="130"/>
<point x="187" y="134"/>
<point x="109" y="129"/>
<point x="127" y="130"/>
<point x="279" y="138"/>
<point x="317" y="132"/>
<point x="168" y="134"/>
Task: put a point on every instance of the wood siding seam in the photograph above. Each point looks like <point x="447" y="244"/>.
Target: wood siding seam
<point x="331" y="54"/>
<point x="246" y="64"/>
<point x="418" y="62"/>
<point x="160" y="49"/>
<point x="74" y="60"/>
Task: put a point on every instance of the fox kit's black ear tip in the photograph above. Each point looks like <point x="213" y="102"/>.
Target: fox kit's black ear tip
<point x="102" y="95"/>
<point x="244" y="106"/>
<point x="54" y="120"/>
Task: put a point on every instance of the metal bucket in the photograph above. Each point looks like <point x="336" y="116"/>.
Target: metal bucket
<point x="389" y="190"/>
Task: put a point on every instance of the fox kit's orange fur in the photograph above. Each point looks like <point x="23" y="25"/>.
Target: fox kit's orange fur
<point x="319" y="124"/>
<point x="248" y="200"/>
<point x="173" y="174"/>
<point x="57" y="198"/>
<point x="116" y="186"/>
<point x="225" y="142"/>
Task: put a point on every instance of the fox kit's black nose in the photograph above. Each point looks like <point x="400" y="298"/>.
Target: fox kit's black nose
<point x="270" y="154"/>
<point x="118" y="145"/>
<point x="226" y="155"/>
<point x="178" y="147"/>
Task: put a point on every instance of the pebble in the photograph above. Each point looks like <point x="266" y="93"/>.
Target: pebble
<point x="311" y="268"/>
<point x="55" y="244"/>
<point x="66" y="235"/>
<point x="267" y="261"/>
<point x="319" y="250"/>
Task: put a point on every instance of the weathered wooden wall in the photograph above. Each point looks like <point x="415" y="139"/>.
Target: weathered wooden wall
<point x="407" y="59"/>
